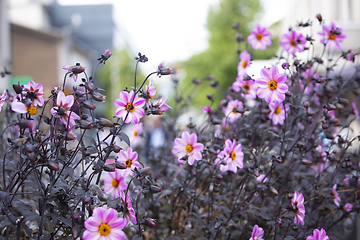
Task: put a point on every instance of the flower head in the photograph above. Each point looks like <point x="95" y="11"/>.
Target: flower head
<point x="129" y="213"/>
<point x="104" y="224"/>
<point x="34" y="92"/>
<point x="293" y="42"/>
<point x="249" y="88"/>
<point x="160" y="107"/>
<point x="335" y="196"/>
<point x="125" y="105"/>
<point x="332" y="36"/>
<point x="259" y="38"/>
<point x="206" y="110"/>
<point x="318" y="235"/>
<point x="231" y="111"/>
<point x="257" y="233"/>
<point x="297" y="202"/>
<point x="277" y="112"/>
<point x="187" y="146"/>
<point x="347" y="207"/>
<point x="21" y="107"/>
<point x="74" y="70"/>
<point x="105" y="56"/>
<point x="272" y="85"/>
<point x="62" y="109"/>
<point x="149" y="93"/>
<point x="232" y="155"/>
<point x="244" y="63"/>
<point x="129" y="158"/>
<point x="115" y="183"/>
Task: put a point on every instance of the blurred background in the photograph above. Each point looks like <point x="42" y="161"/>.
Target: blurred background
<point x="39" y="37"/>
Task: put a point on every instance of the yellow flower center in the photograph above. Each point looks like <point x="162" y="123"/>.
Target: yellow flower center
<point x="233" y="110"/>
<point x="332" y="36"/>
<point x="189" y="148"/>
<point x="132" y="108"/>
<point x="272" y="85"/>
<point x="293" y="43"/>
<point x="104" y="229"/>
<point x="135" y="133"/>
<point x="259" y="36"/>
<point x="246" y="87"/>
<point x="233" y="155"/>
<point x="278" y="110"/>
<point x="128" y="163"/>
<point x="114" y="183"/>
<point x="32" y="110"/>
<point x="244" y="64"/>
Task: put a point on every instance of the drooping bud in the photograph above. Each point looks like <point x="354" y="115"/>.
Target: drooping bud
<point x="89" y="105"/>
<point x="53" y="166"/>
<point x="109" y="168"/>
<point x="90" y="87"/>
<point x="319" y="17"/>
<point x="150" y="222"/>
<point x="116" y="148"/>
<point x="70" y="136"/>
<point x="98" y="96"/>
<point x="196" y="81"/>
<point x="155" y="189"/>
<point x="162" y="71"/>
<point x="120" y="165"/>
<point x="105" y="122"/>
<point x="83" y="124"/>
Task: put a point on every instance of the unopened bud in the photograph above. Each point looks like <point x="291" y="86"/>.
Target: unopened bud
<point x="306" y="162"/>
<point x="120" y="165"/>
<point x="217" y="225"/>
<point x="98" y="97"/>
<point x="196" y="81"/>
<point x="162" y="71"/>
<point x="105" y="122"/>
<point x="29" y="147"/>
<point x="144" y="170"/>
<point x="109" y="168"/>
<point x="25" y="123"/>
<point x="76" y="232"/>
<point x="216" y="121"/>
<point x="214" y="83"/>
<point x="75" y="216"/>
<point x="85" y="124"/>
<point x="288" y="94"/>
<point x="155" y="189"/>
<point x="116" y="148"/>
<point x="150" y="222"/>
<point x="235" y="26"/>
<point x="89" y="105"/>
<point x="306" y="104"/>
<point x="17" y="88"/>
<point x="330" y="107"/>
<point x="274" y="191"/>
<point x="53" y="166"/>
<point x="90" y="87"/>
<point x="70" y="136"/>
<point x="319" y="17"/>
<point x="285" y="65"/>
<point x="87" y="200"/>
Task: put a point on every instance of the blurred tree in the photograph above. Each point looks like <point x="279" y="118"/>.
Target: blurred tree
<point x="221" y="57"/>
<point x="115" y="76"/>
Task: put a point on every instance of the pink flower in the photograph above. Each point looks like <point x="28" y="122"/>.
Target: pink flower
<point x="135" y="133"/>
<point x="356" y="112"/>
<point x="232" y="155"/>
<point x="332" y="36"/>
<point x="345" y="182"/>
<point x="318" y="235"/>
<point x="2" y="99"/>
<point x="129" y="213"/>
<point x="187" y="146"/>
<point x="123" y="106"/>
<point x="34" y="92"/>
<point x="249" y="88"/>
<point x="244" y="63"/>
<point x="262" y="178"/>
<point x="277" y="112"/>
<point x="231" y="110"/>
<point x="257" y="233"/>
<point x="347" y="207"/>
<point x="129" y="158"/>
<point x="272" y="85"/>
<point x="74" y="70"/>
<point x="62" y="109"/>
<point x="115" y="183"/>
<point x="206" y="110"/>
<point x="335" y="196"/>
<point x="149" y="93"/>
<point x="104" y="224"/>
<point x="293" y="42"/>
<point x="160" y="107"/>
<point x="105" y="56"/>
<point x="297" y="202"/>
<point x="259" y="38"/>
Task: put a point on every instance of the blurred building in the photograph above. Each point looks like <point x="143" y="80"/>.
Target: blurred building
<point x="43" y="36"/>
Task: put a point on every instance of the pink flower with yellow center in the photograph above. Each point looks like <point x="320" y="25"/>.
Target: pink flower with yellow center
<point x="62" y="109"/>
<point x="187" y="146"/>
<point x="249" y="88"/>
<point x="135" y="132"/>
<point x="34" y="92"/>
<point x="115" y="183"/>
<point x="293" y="42"/>
<point x="231" y="111"/>
<point x="318" y="235"/>
<point x="297" y="203"/>
<point x="277" y="112"/>
<point x="257" y="233"/>
<point x="104" y="224"/>
<point x="129" y="158"/>
<point x="335" y="196"/>
<point x="272" y="85"/>
<point x="129" y="212"/>
<point x="259" y="38"/>
<point x="244" y="63"/>
<point x="332" y="36"/>
<point x="232" y="155"/>
<point x="124" y="104"/>
<point x="23" y="108"/>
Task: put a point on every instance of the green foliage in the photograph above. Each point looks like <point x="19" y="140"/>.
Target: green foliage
<point x="115" y="76"/>
<point x="219" y="58"/>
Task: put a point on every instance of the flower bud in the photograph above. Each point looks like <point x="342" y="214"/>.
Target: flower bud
<point x="29" y="147"/>
<point x="144" y="170"/>
<point x="98" y="96"/>
<point x="76" y="69"/>
<point x="306" y="104"/>
<point x="116" y="148"/>
<point x="106" y="54"/>
<point x="319" y="17"/>
<point x="86" y="200"/>
<point x="85" y="124"/>
<point x="109" y="168"/>
<point x="214" y="83"/>
<point x="196" y="81"/>
<point x="216" y="121"/>
<point x="120" y="165"/>
<point x="53" y="166"/>
<point x="105" y="122"/>
<point x="239" y="37"/>
<point x="330" y="107"/>
<point x="70" y="136"/>
<point x="288" y="94"/>
<point x="155" y="189"/>
<point x="25" y="123"/>
<point x="90" y="87"/>
<point x="217" y="225"/>
<point x="306" y="162"/>
<point x="89" y="105"/>
<point x="150" y="222"/>
<point x="17" y="88"/>
<point x="285" y="65"/>
<point x="274" y="191"/>
<point x="75" y="216"/>
<point x="76" y="232"/>
<point x="235" y="26"/>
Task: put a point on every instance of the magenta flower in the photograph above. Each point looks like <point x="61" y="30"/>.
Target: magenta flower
<point x="332" y="36"/>
<point x="272" y="85"/>
<point x="124" y="104"/>
<point x="345" y="182"/>
<point x="115" y="183"/>
<point x="347" y="207"/>
<point x="160" y="107"/>
<point x="297" y="203"/>
<point x="135" y="133"/>
<point x="104" y="224"/>
<point x="2" y="99"/>
<point x="257" y="233"/>
<point x="62" y="109"/>
<point x="277" y="112"/>
<point x="231" y="112"/>
<point x="335" y="196"/>
<point x="318" y="235"/>
<point x="232" y="155"/>
<point x="74" y="70"/>
<point x="244" y="63"/>
<point x="187" y="146"/>
<point x="206" y="110"/>
<point x="34" y="92"/>
<point x="293" y="42"/>
<point x="259" y="38"/>
<point x="149" y="93"/>
<point x="249" y="88"/>
<point x="129" y="213"/>
<point x="129" y="158"/>
<point x="356" y="112"/>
